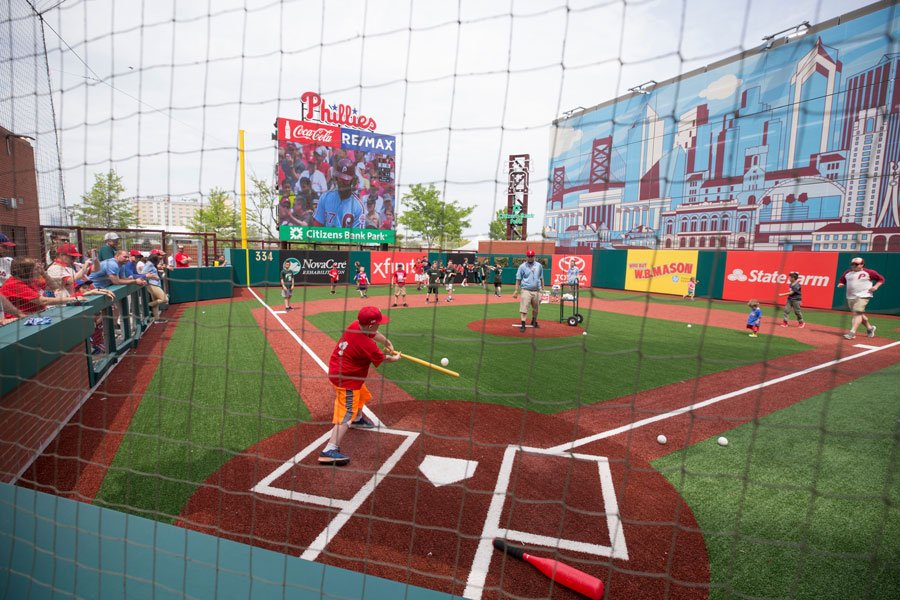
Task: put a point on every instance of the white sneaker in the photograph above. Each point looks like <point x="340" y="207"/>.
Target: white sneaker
<point x="849" y="336"/>
<point x="871" y="331"/>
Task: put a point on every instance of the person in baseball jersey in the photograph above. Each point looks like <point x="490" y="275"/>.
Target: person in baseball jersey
<point x="334" y="274"/>
<point x="341" y="207"/>
<point x="860" y="283"/>
<point x="362" y="283"/>
<point x="400" y="284"/>
<point x="347" y="370"/>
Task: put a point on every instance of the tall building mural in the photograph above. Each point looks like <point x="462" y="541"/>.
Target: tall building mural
<point x="792" y="148"/>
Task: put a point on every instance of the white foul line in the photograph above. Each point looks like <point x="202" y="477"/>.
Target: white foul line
<point x="679" y="411"/>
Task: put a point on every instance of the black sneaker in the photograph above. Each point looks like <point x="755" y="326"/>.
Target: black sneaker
<point x="405" y="304"/>
<point x="522" y="327"/>
<point x="394" y="304"/>
<point x="535" y="325"/>
<point x="362" y="423"/>
<point x="333" y="457"/>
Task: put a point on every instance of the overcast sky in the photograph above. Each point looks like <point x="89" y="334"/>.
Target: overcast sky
<point x="167" y="85"/>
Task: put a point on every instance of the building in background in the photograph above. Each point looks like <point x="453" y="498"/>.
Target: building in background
<point x="165" y="212"/>
<point x="19" y="208"/>
<point x="789" y="148"/>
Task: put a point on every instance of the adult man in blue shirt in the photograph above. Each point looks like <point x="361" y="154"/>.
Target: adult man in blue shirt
<point x="109" y="272"/>
<point x="529" y="282"/>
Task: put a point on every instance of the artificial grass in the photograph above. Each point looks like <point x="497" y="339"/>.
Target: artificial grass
<point x="219" y="388"/>
<point x="620" y="355"/>
<point x="804" y="502"/>
<point x="888" y="327"/>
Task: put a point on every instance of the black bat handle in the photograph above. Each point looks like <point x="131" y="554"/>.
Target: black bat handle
<point x="513" y="551"/>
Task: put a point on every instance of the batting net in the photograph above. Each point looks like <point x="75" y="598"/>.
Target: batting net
<point x="676" y="403"/>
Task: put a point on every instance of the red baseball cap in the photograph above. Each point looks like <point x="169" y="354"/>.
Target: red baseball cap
<point x="69" y="249"/>
<point x="136" y="253"/>
<point x="529" y="253"/>
<point x="369" y="315"/>
<point x="156" y="251"/>
<point x="4" y="241"/>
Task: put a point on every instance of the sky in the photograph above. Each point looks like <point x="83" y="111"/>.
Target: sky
<point x="158" y="89"/>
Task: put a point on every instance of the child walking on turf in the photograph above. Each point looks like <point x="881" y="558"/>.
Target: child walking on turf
<point x="287" y="284"/>
<point x="754" y="318"/>
<point x="793" y="301"/>
<point x="692" y="288"/>
<point x="362" y="283"/>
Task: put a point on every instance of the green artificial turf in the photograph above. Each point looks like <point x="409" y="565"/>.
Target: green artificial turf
<point x="888" y="327"/>
<point x="804" y="502"/>
<point x="218" y="389"/>
<point x="620" y="355"/>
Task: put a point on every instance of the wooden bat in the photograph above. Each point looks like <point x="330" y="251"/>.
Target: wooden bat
<point x="563" y="574"/>
<point x="425" y="363"/>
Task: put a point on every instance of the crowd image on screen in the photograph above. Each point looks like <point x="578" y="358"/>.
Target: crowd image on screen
<point x="358" y="187"/>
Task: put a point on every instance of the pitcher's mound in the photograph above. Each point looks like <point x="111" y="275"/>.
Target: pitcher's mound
<point x="510" y="328"/>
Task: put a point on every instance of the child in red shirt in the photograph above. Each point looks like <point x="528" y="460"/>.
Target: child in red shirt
<point x="335" y="275"/>
<point x="347" y="371"/>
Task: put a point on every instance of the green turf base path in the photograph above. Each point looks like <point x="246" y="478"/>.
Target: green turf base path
<point x="218" y="389"/>
<point x="806" y="502"/>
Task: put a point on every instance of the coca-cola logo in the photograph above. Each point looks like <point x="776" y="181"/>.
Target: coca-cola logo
<point x="290" y="130"/>
<point x="319" y="134"/>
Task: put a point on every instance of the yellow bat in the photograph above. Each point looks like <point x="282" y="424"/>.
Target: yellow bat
<point x="425" y="363"/>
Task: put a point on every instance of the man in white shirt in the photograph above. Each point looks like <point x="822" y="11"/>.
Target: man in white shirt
<point x="5" y="261"/>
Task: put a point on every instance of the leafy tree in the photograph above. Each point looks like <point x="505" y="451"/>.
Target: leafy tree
<point x="103" y="206"/>
<point x="437" y="222"/>
<point x="262" y="209"/>
<point x="217" y="216"/>
<point x="498" y="227"/>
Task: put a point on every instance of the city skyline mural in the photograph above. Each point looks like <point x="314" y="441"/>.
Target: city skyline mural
<point x="793" y="148"/>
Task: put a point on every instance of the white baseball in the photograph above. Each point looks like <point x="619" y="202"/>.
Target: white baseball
<point x="723" y="441"/>
<point x="661" y="439"/>
<point x="584" y="333"/>
<point x="444" y="362"/>
<point x="689" y="324"/>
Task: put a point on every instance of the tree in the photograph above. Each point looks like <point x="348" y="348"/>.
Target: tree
<point x="434" y="220"/>
<point x="262" y="209"/>
<point x="103" y="206"/>
<point x="217" y="216"/>
<point x="498" y="227"/>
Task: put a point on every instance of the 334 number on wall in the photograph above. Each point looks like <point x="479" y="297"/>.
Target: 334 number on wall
<point x="262" y="256"/>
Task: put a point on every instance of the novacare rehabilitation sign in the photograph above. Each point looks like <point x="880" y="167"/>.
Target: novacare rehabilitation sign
<point x="336" y="235"/>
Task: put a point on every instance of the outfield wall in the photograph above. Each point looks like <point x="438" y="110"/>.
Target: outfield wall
<point x="741" y="275"/>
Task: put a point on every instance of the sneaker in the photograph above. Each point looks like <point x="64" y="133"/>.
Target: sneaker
<point x="333" y="457"/>
<point x="535" y="325"/>
<point x="427" y="301"/>
<point x="394" y="304"/>
<point x="405" y="304"/>
<point x="287" y="308"/>
<point x="871" y="331"/>
<point x="522" y="327"/>
<point x="849" y="336"/>
<point x="754" y="335"/>
<point x="332" y="292"/>
<point x="784" y="324"/>
<point x="362" y="423"/>
<point x="802" y="324"/>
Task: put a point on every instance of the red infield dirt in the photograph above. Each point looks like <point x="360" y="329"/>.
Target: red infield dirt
<point x="510" y="327"/>
<point x="383" y="516"/>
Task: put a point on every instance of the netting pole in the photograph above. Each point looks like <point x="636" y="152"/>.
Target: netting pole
<point x="243" y="205"/>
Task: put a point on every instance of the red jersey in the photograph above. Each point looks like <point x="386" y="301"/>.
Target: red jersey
<point x="355" y="351"/>
<point x="182" y="260"/>
<point x="420" y="268"/>
<point x="400" y="277"/>
<point x="362" y="279"/>
<point x="334" y="274"/>
<point x="21" y="295"/>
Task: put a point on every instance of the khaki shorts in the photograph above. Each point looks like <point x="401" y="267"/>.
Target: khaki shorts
<point x="858" y="305"/>
<point x="529" y="298"/>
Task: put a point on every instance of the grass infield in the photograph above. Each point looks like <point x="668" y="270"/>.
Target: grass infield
<point x="803" y="502"/>
<point x="219" y="388"/>
<point x="620" y="355"/>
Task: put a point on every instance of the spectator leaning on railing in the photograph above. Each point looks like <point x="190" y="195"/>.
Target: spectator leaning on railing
<point x="62" y="274"/>
<point x="21" y="288"/>
<point x="110" y="272"/>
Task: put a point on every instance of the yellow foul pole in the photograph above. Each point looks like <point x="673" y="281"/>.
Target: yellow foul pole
<point x="243" y="205"/>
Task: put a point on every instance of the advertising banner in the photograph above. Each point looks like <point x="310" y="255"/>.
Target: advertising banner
<point x="764" y="275"/>
<point x="301" y="132"/>
<point x="312" y="266"/>
<point x="336" y="235"/>
<point x="383" y="265"/>
<point x="660" y="271"/>
<point x="561" y="263"/>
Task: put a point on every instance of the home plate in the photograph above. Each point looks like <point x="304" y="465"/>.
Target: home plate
<point x="442" y="470"/>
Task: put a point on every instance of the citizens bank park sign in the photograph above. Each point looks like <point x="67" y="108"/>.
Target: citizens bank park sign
<point x="334" y="125"/>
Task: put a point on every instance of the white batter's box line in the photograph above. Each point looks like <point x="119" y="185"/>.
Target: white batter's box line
<point x="481" y="563"/>
<point x="265" y="485"/>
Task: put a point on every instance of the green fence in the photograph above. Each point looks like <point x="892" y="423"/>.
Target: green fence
<point x="200" y="283"/>
<point x="887" y="299"/>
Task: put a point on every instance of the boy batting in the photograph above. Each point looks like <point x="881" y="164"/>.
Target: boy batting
<point x="347" y="370"/>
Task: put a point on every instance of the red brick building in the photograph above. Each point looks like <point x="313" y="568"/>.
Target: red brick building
<point x="19" y="211"/>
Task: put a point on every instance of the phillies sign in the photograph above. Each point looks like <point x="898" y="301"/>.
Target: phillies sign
<point x="561" y="263"/>
<point x="343" y="115"/>
<point x="764" y="275"/>
<point x="303" y="132"/>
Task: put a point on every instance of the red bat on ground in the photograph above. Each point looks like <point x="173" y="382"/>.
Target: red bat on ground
<point x="562" y="574"/>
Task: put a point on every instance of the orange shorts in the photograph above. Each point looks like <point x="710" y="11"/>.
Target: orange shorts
<point x="348" y="403"/>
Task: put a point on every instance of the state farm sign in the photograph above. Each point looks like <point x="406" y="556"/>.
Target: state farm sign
<point x="303" y="132"/>
<point x="561" y="264"/>
<point x="383" y="265"/>
<point x="764" y="275"/>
